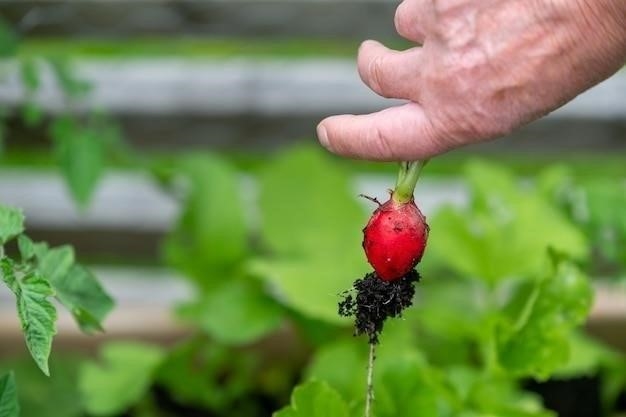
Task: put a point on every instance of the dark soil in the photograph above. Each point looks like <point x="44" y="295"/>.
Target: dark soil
<point x="371" y="301"/>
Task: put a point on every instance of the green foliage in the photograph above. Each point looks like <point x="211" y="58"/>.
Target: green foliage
<point x="44" y="273"/>
<point x="11" y="223"/>
<point x="215" y="377"/>
<point x="533" y="340"/>
<point x="315" y="399"/>
<point x="471" y="241"/>
<point x="9" y="406"/>
<point x="312" y="225"/>
<point x="121" y="379"/>
<point x="80" y="153"/>
<point x="37" y="392"/>
<point x="236" y="313"/>
<point x="210" y="239"/>
<point x="36" y="313"/>
<point x="75" y="287"/>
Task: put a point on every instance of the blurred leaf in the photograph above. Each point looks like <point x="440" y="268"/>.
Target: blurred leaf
<point x="315" y="399"/>
<point x="586" y="357"/>
<point x="505" y="233"/>
<point x="534" y="339"/>
<point x="29" y="73"/>
<point x="66" y="78"/>
<point x="81" y="293"/>
<point x="121" y="379"/>
<point x="37" y="314"/>
<point x="37" y="392"/>
<point x="215" y="377"/>
<point x="402" y="389"/>
<point x="211" y="237"/>
<point x="342" y="365"/>
<point x="236" y="313"/>
<point x="32" y="114"/>
<point x="26" y="247"/>
<point x="8" y="40"/>
<point x="80" y="153"/>
<point x="313" y="225"/>
<point x="9" y="406"/>
<point x="308" y="207"/>
<point x="11" y="223"/>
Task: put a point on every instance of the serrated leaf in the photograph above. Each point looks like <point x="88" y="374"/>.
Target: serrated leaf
<point x="312" y="222"/>
<point x="36" y="313"/>
<point x="211" y="236"/>
<point x="121" y="379"/>
<point x="9" y="407"/>
<point x="236" y="313"/>
<point x="315" y="399"/>
<point x="11" y="223"/>
<point x="75" y="287"/>
<point x="80" y="153"/>
<point x="534" y="339"/>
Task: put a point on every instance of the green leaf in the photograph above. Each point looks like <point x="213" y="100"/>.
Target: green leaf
<point x="402" y="389"/>
<point x="236" y="313"/>
<point x="36" y="313"/>
<point x="32" y="114"/>
<point x="506" y="231"/>
<point x="9" y="407"/>
<point x="75" y="287"/>
<point x="587" y="357"/>
<point x="30" y="74"/>
<point x="8" y="40"/>
<point x="312" y="223"/>
<point x="221" y="376"/>
<point x="308" y="207"/>
<point x="80" y="153"/>
<point x="26" y="247"/>
<point x="211" y="237"/>
<point x="11" y="223"/>
<point x="121" y="379"/>
<point x="67" y="79"/>
<point x="84" y="297"/>
<point x="315" y="399"/>
<point x="534" y="339"/>
<point x="37" y="392"/>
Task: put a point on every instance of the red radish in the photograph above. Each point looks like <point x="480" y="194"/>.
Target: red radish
<point x="395" y="238"/>
<point x="396" y="234"/>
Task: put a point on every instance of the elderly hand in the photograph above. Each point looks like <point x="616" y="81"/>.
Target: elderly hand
<point x="485" y="67"/>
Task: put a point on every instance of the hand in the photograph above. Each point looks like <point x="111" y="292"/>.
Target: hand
<point x="485" y="68"/>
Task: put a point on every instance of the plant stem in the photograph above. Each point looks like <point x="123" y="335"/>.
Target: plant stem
<point x="369" y="397"/>
<point x="408" y="175"/>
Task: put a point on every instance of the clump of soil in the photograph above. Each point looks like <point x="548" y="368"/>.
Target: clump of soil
<point x="371" y="301"/>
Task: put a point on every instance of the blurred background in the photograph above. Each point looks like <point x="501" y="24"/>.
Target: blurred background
<point x="172" y="144"/>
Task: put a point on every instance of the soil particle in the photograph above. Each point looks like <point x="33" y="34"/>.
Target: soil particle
<point x="371" y="301"/>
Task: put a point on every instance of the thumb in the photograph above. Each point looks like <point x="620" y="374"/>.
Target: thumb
<point x="395" y="134"/>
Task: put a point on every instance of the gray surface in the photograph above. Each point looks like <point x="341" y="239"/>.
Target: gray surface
<point x="259" y="18"/>
<point x="132" y="202"/>
<point x="259" y="87"/>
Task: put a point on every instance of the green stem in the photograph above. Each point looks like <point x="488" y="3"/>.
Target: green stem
<point x="408" y="175"/>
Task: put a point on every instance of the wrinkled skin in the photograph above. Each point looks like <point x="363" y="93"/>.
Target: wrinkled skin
<point x="486" y="68"/>
<point x="395" y="238"/>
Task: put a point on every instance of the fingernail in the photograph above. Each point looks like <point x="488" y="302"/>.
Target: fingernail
<point x="322" y="135"/>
